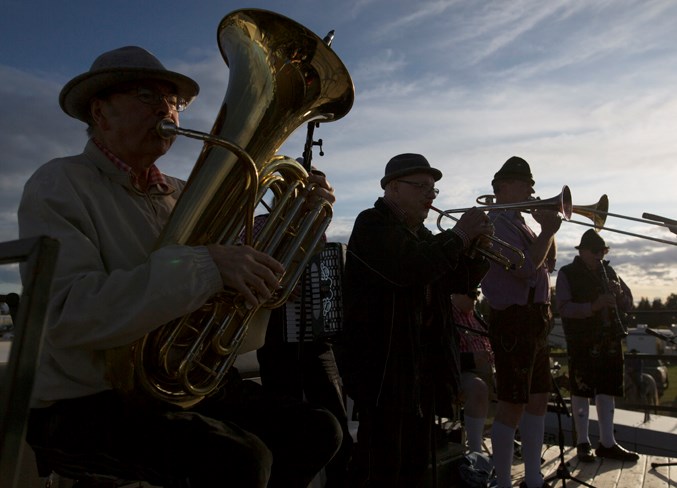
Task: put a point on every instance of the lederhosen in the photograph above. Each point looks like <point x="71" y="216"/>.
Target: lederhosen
<point x="595" y="355"/>
<point x="519" y="338"/>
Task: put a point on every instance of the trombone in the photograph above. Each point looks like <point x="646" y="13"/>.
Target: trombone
<point x="490" y="253"/>
<point x="598" y="213"/>
<point x="561" y="203"/>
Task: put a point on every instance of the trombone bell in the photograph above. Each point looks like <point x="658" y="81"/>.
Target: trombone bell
<point x="596" y="212"/>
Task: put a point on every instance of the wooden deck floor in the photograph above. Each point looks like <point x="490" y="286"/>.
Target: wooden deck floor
<point x="604" y="473"/>
<point x="601" y="474"/>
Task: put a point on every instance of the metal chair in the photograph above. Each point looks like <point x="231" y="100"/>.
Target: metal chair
<point x="17" y="377"/>
<point x="39" y="254"/>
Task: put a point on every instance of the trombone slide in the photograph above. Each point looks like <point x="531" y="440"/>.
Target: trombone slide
<point x="658" y="218"/>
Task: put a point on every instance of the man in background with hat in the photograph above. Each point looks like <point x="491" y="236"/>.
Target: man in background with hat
<point x="592" y="301"/>
<point x="107" y="207"/>
<point x="401" y="356"/>
<point x="519" y="324"/>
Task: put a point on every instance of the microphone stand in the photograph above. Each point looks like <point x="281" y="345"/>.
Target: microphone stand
<point x="310" y="142"/>
<point x="671" y="340"/>
<point x="562" y="472"/>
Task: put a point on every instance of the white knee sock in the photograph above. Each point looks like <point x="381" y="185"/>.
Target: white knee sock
<point x="474" y="428"/>
<point x="580" y="409"/>
<point x="532" y="428"/>
<point x="502" y="444"/>
<point x="605" y="415"/>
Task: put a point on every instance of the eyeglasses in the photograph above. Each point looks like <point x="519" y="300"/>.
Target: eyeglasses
<point x="422" y="186"/>
<point x="150" y="97"/>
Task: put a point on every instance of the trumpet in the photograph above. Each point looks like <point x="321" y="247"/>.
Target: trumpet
<point x="490" y="253"/>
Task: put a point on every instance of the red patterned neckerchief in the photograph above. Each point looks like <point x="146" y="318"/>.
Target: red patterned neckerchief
<point x="155" y="177"/>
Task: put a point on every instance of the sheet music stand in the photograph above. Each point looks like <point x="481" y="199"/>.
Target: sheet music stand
<point x="40" y="255"/>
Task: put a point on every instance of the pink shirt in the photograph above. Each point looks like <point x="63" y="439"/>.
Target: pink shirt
<point x="502" y="287"/>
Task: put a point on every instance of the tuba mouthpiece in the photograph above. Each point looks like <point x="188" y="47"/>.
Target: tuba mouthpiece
<point x="166" y="129"/>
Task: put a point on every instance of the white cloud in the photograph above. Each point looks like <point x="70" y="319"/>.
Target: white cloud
<point x="582" y="89"/>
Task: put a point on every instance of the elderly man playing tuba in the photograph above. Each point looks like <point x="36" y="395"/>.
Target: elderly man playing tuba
<point x="107" y="206"/>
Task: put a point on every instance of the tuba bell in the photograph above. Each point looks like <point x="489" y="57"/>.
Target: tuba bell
<point x="281" y="75"/>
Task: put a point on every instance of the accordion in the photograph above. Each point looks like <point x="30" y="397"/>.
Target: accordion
<point x="318" y="312"/>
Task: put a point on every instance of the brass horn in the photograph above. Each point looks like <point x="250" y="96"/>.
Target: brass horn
<point x="281" y="75"/>
<point x="561" y="203"/>
<point x="491" y="253"/>
<point x="597" y="212"/>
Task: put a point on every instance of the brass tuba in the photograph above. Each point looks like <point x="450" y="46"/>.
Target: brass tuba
<point x="281" y="76"/>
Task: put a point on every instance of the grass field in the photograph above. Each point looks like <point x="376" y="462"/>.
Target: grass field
<point x="669" y="397"/>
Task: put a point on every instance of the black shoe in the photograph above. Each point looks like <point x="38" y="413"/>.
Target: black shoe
<point x="584" y="453"/>
<point x="616" y="452"/>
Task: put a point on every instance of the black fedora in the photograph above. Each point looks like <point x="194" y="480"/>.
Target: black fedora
<point x="592" y="240"/>
<point x="408" y="164"/>
<point x="125" y="64"/>
<point x="514" y="168"/>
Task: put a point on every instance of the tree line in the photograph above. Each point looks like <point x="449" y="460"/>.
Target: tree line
<point x="644" y="304"/>
<point x="657" y="303"/>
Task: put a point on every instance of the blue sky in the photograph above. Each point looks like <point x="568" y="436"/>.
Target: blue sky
<point x="583" y="90"/>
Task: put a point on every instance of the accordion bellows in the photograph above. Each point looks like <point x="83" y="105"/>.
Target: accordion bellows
<point x="318" y="312"/>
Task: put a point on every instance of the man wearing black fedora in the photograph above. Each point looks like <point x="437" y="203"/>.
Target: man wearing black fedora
<point x="519" y="324"/>
<point x="107" y="207"/>
<point x="401" y="359"/>
<point x="592" y="301"/>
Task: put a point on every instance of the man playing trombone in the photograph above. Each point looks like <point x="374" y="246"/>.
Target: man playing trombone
<point x="520" y="323"/>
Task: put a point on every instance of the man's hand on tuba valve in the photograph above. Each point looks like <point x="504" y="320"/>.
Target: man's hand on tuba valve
<point x="252" y="273"/>
<point x="323" y="189"/>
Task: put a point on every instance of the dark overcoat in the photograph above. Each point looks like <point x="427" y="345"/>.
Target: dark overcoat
<point x="398" y="332"/>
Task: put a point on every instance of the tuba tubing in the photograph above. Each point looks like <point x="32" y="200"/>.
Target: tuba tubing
<point x="281" y="76"/>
